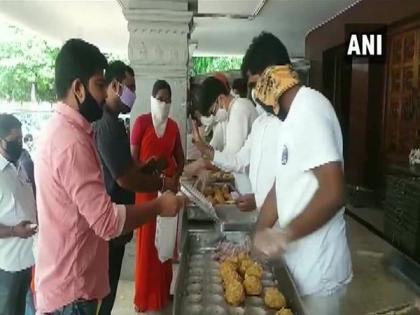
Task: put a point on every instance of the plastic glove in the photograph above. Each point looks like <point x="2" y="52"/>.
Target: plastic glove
<point x="203" y="178"/>
<point x="270" y="243"/>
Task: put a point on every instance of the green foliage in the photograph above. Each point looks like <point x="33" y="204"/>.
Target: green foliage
<point x="203" y="65"/>
<point x="24" y="61"/>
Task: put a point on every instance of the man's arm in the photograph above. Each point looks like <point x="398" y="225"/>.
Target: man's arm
<point x="326" y="202"/>
<point x="22" y="230"/>
<point x="134" y="178"/>
<point x="82" y="178"/>
<point x="268" y="214"/>
<point x="6" y="231"/>
<point x="224" y="160"/>
<point x="167" y="205"/>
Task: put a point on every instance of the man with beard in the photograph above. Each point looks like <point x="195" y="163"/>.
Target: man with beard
<point x="76" y="215"/>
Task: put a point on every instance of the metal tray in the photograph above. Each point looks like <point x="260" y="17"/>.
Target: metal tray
<point x="197" y="288"/>
<point x="198" y="198"/>
<point x="196" y="214"/>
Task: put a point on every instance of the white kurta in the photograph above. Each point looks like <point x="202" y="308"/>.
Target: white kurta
<point x="218" y="140"/>
<point x="242" y="115"/>
<point x="311" y="137"/>
<point x="259" y="153"/>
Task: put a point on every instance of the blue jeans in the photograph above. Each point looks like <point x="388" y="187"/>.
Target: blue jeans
<point x="13" y="289"/>
<point x="80" y="307"/>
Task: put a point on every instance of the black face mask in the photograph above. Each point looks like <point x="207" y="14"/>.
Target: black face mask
<point x="13" y="150"/>
<point x="89" y="108"/>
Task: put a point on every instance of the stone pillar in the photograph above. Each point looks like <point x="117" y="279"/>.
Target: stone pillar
<point x="158" y="49"/>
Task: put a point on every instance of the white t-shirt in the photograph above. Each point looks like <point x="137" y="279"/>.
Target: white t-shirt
<point x="242" y="114"/>
<point x="259" y="153"/>
<point x="309" y="137"/>
<point x="17" y="203"/>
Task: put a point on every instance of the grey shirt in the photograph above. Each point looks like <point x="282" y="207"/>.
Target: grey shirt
<point x="113" y="145"/>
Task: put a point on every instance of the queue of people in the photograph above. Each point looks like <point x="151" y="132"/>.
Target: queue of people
<point x="96" y="184"/>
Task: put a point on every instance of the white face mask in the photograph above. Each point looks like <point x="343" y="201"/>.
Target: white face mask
<point x="160" y="113"/>
<point x="207" y="121"/>
<point x="221" y="115"/>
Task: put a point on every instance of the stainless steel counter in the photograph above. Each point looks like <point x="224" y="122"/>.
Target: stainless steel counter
<point x="383" y="277"/>
<point x="199" y="289"/>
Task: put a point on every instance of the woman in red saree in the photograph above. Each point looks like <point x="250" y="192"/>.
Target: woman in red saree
<point x="154" y="136"/>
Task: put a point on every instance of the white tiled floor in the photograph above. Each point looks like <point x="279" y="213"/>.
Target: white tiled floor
<point x="124" y="301"/>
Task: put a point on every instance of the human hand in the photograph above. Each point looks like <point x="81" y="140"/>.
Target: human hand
<point x="24" y="229"/>
<point x="196" y="133"/>
<point x="246" y="202"/>
<point x="168" y="204"/>
<point x="202" y="180"/>
<point x="171" y="183"/>
<point x="270" y="243"/>
<point x="161" y="164"/>
<point x="195" y="167"/>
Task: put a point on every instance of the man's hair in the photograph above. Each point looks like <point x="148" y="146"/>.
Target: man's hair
<point x="77" y="59"/>
<point x="241" y="86"/>
<point x="210" y="90"/>
<point x="7" y="123"/>
<point x="115" y="71"/>
<point x="129" y="70"/>
<point x="161" y="85"/>
<point x="265" y="50"/>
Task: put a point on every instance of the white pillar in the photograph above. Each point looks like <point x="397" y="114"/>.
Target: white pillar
<point x="158" y="49"/>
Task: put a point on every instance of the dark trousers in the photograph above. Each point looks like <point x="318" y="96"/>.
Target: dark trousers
<point x="80" y="307"/>
<point x="116" y="255"/>
<point x="13" y="289"/>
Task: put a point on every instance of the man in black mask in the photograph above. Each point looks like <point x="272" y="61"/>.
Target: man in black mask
<point x="76" y="215"/>
<point x="17" y="219"/>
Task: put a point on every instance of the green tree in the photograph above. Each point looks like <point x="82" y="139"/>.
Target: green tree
<point x="203" y="65"/>
<point x="26" y="60"/>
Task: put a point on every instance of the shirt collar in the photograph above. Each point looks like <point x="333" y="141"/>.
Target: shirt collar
<point x="3" y="162"/>
<point x="73" y="117"/>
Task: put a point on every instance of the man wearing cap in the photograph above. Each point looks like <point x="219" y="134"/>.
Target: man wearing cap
<point x="122" y="175"/>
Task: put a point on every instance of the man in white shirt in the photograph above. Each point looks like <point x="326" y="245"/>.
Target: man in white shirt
<point x="17" y="220"/>
<point x="307" y="197"/>
<point x="259" y="153"/>
<point x="240" y="114"/>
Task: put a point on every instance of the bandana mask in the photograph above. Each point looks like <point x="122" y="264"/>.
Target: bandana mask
<point x="273" y="83"/>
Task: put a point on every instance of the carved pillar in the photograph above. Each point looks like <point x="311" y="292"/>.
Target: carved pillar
<point x="158" y="49"/>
